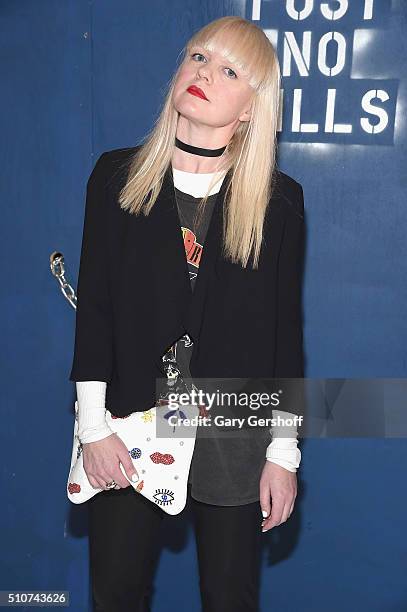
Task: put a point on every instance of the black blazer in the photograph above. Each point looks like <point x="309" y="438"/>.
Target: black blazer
<point x="134" y="296"/>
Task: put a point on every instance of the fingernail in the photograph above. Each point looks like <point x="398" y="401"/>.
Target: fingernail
<point x="263" y="530"/>
<point x="264" y="513"/>
<point x="134" y="478"/>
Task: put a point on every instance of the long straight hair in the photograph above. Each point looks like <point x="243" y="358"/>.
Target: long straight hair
<point x="250" y="154"/>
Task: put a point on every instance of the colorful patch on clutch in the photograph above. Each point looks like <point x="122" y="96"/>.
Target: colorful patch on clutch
<point x="147" y="415"/>
<point x="74" y="487"/>
<point x="135" y="453"/>
<point x="166" y="459"/>
<point x="163" y="497"/>
<point x="181" y="415"/>
<point x="140" y="486"/>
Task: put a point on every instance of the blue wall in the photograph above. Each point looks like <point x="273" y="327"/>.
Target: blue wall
<point x="83" y="77"/>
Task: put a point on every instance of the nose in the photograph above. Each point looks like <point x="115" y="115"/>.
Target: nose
<point x="204" y="72"/>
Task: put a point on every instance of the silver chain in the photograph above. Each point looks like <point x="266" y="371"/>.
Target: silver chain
<point x="58" y="270"/>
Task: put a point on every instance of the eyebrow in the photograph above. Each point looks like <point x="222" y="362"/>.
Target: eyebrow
<point x="199" y="47"/>
<point x="236" y="68"/>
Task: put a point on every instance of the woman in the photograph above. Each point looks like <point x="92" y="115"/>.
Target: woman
<point x="232" y="311"/>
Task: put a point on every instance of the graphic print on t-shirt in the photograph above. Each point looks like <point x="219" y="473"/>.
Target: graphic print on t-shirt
<point x="193" y="251"/>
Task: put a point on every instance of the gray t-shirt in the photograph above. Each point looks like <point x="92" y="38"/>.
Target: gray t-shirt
<point x="225" y="471"/>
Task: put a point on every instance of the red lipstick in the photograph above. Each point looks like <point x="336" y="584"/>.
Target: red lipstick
<point x="196" y="91"/>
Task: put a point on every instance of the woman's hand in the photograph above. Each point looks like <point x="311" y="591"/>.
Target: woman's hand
<point x="101" y="461"/>
<point x="280" y="485"/>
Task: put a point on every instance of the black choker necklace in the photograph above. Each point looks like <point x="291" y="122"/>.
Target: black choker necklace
<point x="198" y="150"/>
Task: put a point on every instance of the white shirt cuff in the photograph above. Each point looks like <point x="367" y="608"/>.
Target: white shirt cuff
<point x="283" y="449"/>
<point x="92" y="426"/>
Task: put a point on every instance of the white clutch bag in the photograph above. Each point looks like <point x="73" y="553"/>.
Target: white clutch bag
<point x="162" y="461"/>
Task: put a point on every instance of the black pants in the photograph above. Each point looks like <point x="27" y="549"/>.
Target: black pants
<point x="124" y="541"/>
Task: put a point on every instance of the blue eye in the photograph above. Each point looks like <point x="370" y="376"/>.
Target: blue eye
<point x="193" y="54"/>
<point x="232" y="71"/>
<point x="163" y="497"/>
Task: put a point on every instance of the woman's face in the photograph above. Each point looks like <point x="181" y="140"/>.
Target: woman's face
<point x="227" y="90"/>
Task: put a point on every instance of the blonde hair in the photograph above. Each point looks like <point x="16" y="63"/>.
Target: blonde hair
<point x="251" y="152"/>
